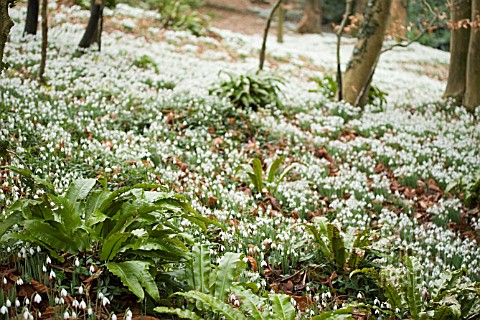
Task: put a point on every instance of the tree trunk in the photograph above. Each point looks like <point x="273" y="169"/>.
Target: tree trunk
<point x="43" y="61"/>
<point x="32" y="17"/>
<point x="398" y="21"/>
<point x="92" y="33"/>
<point x="472" y="92"/>
<point x="6" y="24"/>
<point x="366" y="52"/>
<point x="459" y="39"/>
<point x="360" y="6"/>
<point x="312" y="17"/>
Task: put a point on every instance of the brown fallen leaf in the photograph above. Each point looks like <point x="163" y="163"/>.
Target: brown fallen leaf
<point x="253" y="263"/>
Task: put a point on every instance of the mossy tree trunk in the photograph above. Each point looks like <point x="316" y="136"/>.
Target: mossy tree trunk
<point x="460" y="11"/>
<point x="311" y="21"/>
<point x="472" y="91"/>
<point x="31" y="23"/>
<point x="6" y="24"/>
<point x="366" y="52"/>
<point x="93" y="31"/>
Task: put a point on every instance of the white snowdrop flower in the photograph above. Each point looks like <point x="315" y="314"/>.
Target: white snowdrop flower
<point x="82" y="305"/>
<point x="27" y="302"/>
<point x="105" y="301"/>
<point x="4" y="280"/>
<point x="77" y="263"/>
<point x="92" y="268"/>
<point x="57" y="300"/>
<point x="397" y="310"/>
<point x="32" y="251"/>
<point x="236" y="303"/>
<point x="8" y="303"/>
<point x="63" y="292"/>
<point x="37" y="298"/>
<point x="19" y="281"/>
<point x="100" y="295"/>
<point x="376" y="301"/>
<point x="17" y="303"/>
<point x="62" y="301"/>
<point x="114" y="316"/>
<point x="75" y="303"/>
<point x="30" y="317"/>
<point x="74" y="315"/>
<point x="90" y="311"/>
<point x="377" y="312"/>
<point x="263" y="263"/>
<point x="52" y="274"/>
<point x="48" y="260"/>
<point x="39" y="249"/>
<point x="3" y="310"/>
<point x="66" y="315"/>
<point x="80" y="290"/>
<point x="335" y="307"/>
<point x="359" y="295"/>
<point x="26" y="314"/>
<point x="44" y="269"/>
<point x="129" y="313"/>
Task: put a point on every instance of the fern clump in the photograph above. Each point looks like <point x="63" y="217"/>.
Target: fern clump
<point x="251" y="90"/>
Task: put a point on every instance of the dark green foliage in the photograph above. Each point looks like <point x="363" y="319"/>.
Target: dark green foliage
<point x="130" y="229"/>
<point x="179" y="14"/>
<point x="250" y="90"/>
<point x="447" y="298"/>
<point x="469" y="186"/>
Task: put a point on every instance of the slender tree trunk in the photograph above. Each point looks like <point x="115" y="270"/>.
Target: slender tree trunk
<point x="398" y="21"/>
<point x="43" y="61"/>
<point x="265" y="35"/>
<point x="32" y="17"/>
<point x="281" y="20"/>
<point x="459" y="40"/>
<point x="472" y="92"/>
<point x="6" y="24"/>
<point x="312" y="17"/>
<point x="360" y="6"/>
<point x="366" y="51"/>
<point x="92" y="33"/>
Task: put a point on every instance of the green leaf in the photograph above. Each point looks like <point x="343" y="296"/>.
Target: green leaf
<point x="135" y="276"/>
<point x="111" y="246"/>
<point x="79" y="189"/>
<point x="337" y="247"/>
<point x="214" y="304"/>
<point x="201" y="267"/>
<point x="228" y="270"/>
<point x="183" y="314"/>
<point x="319" y="240"/>
<point x="273" y="168"/>
<point x="13" y="219"/>
<point x="282" y="308"/>
<point x="258" y="173"/>
<point x="343" y="313"/>
<point x="50" y="235"/>
<point x="414" y="296"/>
<point x="252" y="303"/>
<point x="94" y="202"/>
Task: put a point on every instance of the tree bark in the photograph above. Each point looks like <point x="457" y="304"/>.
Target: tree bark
<point x="366" y="51"/>
<point x="398" y="21"/>
<point x="43" y="61"/>
<point x="6" y="24"/>
<point x="32" y="17"/>
<point x="311" y="21"/>
<point x="265" y="35"/>
<point x="459" y="42"/>
<point x="93" y="33"/>
<point x="472" y="92"/>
